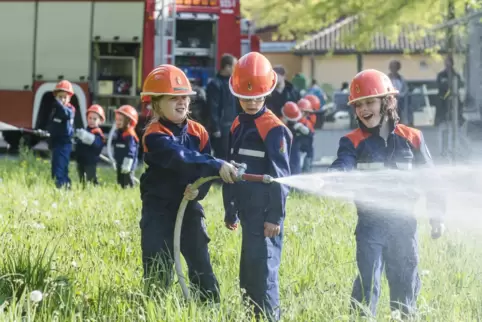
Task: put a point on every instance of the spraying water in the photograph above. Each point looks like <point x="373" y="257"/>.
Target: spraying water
<point x="397" y="191"/>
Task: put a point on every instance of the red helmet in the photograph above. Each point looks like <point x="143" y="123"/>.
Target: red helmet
<point x="314" y="100"/>
<point x="305" y="105"/>
<point x="253" y="77"/>
<point x="96" y="108"/>
<point x="166" y="80"/>
<point x="370" y="83"/>
<point x="129" y="112"/>
<point x="64" y="86"/>
<point x="291" y="112"/>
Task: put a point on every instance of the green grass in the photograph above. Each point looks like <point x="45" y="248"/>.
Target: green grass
<point x="81" y="248"/>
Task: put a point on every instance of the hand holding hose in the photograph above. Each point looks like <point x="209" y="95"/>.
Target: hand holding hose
<point x="228" y="172"/>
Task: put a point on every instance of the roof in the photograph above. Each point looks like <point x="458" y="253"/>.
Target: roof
<point x="331" y="39"/>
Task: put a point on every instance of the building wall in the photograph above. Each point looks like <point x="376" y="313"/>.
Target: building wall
<point x="414" y="67"/>
<point x="290" y="62"/>
<point x="334" y="70"/>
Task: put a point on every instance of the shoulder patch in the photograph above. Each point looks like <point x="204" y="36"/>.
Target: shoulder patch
<point x="357" y="136"/>
<point x="235" y="124"/>
<point x="154" y="128"/>
<point x="267" y="122"/>
<point x="196" y="129"/>
<point x="413" y="136"/>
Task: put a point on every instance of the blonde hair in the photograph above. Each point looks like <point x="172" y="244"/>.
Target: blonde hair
<point x="157" y="110"/>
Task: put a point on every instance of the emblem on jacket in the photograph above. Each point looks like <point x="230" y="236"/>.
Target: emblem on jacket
<point x="282" y="148"/>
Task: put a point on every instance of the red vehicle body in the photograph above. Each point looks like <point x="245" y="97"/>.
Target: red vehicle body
<point x="106" y="48"/>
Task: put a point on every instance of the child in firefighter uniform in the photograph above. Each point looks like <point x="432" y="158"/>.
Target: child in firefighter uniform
<point x="385" y="237"/>
<point x="307" y="141"/>
<point x="259" y="139"/>
<point x="177" y="152"/>
<point x="126" y="144"/>
<point x="292" y="116"/>
<point x="61" y="129"/>
<point x="90" y="142"/>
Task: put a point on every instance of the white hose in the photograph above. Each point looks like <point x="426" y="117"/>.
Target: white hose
<point x="110" y="153"/>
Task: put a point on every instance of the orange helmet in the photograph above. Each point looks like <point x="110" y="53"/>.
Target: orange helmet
<point x="370" y="83"/>
<point x="291" y="111"/>
<point x="166" y="80"/>
<point x="305" y="105"/>
<point x="98" y="110"/>
<point x="64" y="86"/>
<point x="129" y="112"/>
<point x="253" y="77"/>
<point x="314" y="100"/>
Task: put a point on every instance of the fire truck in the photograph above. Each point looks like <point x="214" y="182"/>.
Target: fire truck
<point x="106" y="48"/>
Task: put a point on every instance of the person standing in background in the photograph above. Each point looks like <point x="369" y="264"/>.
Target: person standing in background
<point x="283" y="93"/>
<point x="404" y="107"/>
<point x="222" y="105"/>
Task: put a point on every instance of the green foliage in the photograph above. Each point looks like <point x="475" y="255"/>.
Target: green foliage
<point x="81" y="249"/>
<point x="300" y="18"/>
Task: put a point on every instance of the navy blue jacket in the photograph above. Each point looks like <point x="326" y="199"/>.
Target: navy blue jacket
<point x="263" y="142"/>
<point x="61" y="125"/>
<point x="89" y="154"/>
<point x="405" y="147"/>
<point x="175" y="157"/>
<point x="125" y="144"/>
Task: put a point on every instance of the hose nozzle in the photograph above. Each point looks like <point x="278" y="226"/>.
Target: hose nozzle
<point x="243" y="176"/>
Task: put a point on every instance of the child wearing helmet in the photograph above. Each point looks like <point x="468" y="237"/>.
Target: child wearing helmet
<point x="61" y="129"/>
<point x="385" y="237"/>
<point x="307" y="141"/>
<point x="90" y="142"/>
<point x="259" y="139"/>
<point x="292" y="117"/>
<point x="126" y="144"/>
<point x="177" y="152"/>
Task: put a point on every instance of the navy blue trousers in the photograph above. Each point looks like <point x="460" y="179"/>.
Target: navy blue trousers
<point x="157" y="242"/>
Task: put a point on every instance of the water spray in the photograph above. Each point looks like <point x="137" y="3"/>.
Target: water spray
<point x="8" y="127"/>
<point x="241" y="176"/>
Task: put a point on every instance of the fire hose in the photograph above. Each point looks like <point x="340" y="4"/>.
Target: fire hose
<point x="241" y="176"/>
<point x="8" y="127"/>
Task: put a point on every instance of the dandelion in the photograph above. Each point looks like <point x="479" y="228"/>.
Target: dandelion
<point x="123" y="234"/>
<point x="35" y="202"/>
<point x="36" y="296"/>
<point x="37" y="225"/>
<point x="54" y="205"/>
<point x="117" y="222"/>
<point x="74" y="264"/>
<point x="424" y="272"/>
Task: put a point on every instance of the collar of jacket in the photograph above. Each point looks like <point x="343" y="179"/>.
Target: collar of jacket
<point x="244" y="117"/>
<point x="376" y="130"/>
<point x="176" y="129"/>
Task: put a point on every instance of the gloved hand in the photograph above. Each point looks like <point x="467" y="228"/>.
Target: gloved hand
<point x="190" y="194"/>
<point x="438" y="228"/>
<point x="303" y="129"/>
<point x="85" y="136"/>
<point x="228" y="172"/>
<point x="127" y="165"/>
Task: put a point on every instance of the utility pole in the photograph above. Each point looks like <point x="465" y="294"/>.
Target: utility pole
<point x="453" y="83"/>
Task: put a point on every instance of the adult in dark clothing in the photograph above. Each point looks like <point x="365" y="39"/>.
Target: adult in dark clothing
<point x="284" y="92"/>
<point x="443" y="114"/>
<point x="223" y="107"/>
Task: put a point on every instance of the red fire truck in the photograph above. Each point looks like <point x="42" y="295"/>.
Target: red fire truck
<point x="106" y="48"/>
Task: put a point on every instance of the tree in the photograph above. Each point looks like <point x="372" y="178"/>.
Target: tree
<point x="299" y="18"/>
